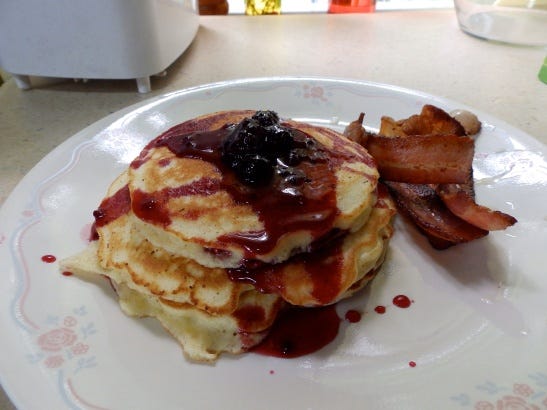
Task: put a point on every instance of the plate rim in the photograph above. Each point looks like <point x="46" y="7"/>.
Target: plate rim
<point x="105" y="121"/>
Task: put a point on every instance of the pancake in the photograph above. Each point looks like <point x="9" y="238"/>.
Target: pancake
<point x="312" y="279"/>
<point x="131" y="258"/>
<point x="188" y="203"/>
<point x="211" y="310"/>
<point x="214" y="247"/>
<point x="203" y="336"/>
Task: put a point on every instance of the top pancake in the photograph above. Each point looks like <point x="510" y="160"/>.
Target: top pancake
<point x="189" y="203"/>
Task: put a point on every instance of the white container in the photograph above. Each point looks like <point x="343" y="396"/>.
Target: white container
<point x="94" y="39"/>
<point x="519" y="22"/>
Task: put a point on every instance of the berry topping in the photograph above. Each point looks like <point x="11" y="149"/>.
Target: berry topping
<point x="259" y="147"/>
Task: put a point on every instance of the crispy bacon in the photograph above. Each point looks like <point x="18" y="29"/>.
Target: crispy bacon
<point x="423" y="159"/>
<point x="425" y="208"/>
<point x="426" y="162"/>
<point x="431" y="121"/>
<point x="356" y="132"/>
<point x="462" y="204"/>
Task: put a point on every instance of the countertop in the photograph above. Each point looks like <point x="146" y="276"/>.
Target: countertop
<point x="421" y="50"/>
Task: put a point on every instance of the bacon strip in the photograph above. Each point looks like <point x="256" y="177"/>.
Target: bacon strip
<point x="356" y="132"/>
<point x="423" y="159"/>
<point x="432" y="121"/>
<point x="462" y="204"/>
<point x="425" y="208"/>
<point x="426" y="162"/>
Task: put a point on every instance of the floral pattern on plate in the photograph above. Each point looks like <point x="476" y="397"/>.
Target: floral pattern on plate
<point x="529" y="395"/>
<point x="66" y="343"/>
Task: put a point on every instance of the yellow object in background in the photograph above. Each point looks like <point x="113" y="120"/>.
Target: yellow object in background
<point x="259" y="7"/>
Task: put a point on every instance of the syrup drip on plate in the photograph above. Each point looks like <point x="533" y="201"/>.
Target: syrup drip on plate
<point x="300" y="331"/>
<point x="353" y="316"/>
<point x="48" y="258"/>
<point x="402" y="301"/>
<point x="380" y="309"/>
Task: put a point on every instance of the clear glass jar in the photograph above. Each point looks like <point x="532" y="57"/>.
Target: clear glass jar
<point x="520" y="22"/>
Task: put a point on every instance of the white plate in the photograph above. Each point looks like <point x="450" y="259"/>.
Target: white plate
<point x="476" y="332"/>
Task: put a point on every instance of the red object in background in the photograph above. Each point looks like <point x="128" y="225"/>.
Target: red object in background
<point x="352" y="6"/>
<point x="211" y="7"/>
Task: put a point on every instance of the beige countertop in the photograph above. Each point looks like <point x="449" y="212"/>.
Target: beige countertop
<point x="421" y="50"/>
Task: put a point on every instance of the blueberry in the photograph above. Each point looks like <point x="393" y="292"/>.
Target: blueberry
<point x="278" y="141"/>
<point x="295" y="179"/>
<point x="266" y="118"/>
<point x="254" y="145"/>
<point x="254" y="170"/>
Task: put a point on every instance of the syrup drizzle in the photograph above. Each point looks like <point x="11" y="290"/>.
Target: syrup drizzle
<point x="380" y="309"/>
<point x="112" y="207"/>
<point x="353" y="316"/>
<point x="402" y="301"/>
<point x="300" y="331"/>
<point x="324" y="269"/>
<point x="49" y="258"/>
<point x="279" y="205"/>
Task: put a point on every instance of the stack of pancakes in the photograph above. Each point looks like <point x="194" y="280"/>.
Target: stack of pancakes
<point x="215" y="260"/>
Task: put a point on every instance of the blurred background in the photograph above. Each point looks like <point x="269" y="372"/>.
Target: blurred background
<point x="321" y="6"/>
